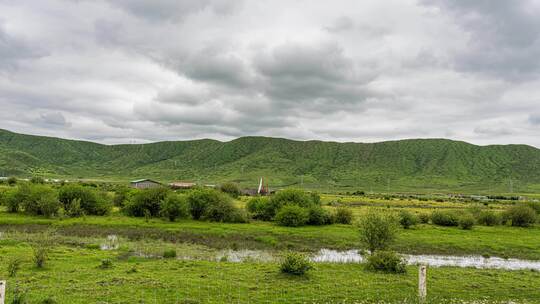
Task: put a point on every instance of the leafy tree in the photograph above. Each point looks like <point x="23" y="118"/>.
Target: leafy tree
<point x="174" y="206"/>
<point x="259" y="208"/>
<point x="146" y="202"/>
<point x="231" y="189"/>
<point x="290" y="197"/>
<point x="90" y="201"/>
<point x="377" y="230"/>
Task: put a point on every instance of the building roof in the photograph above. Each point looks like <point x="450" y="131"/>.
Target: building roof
<point x="144" y="180"/>
<point x="182" y="184"/>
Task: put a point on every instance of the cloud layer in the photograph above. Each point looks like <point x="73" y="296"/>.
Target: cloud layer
<point x="138" y="71"/>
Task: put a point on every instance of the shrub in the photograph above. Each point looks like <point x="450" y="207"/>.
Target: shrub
<point x="146" y="202"/>
<point x="289" y="197"/>
<point x="48" y="300"/>
<point x="200" y="199"/>
<point x="37" y="180"/>
<point x="259" y="209"/>
<point x="407" y="219"/>
<point x="445" y="218"/>
<point x="90" y="202"/>
<point x="41" y="247"/>
<point x="34" y="199"/>
<point x="106" y="264"/>
<point x="343" y="215"/>
<point x="74" y="208"/>
<point x="12" y="199"/>
<point x="121" y="196"/>
<point x="386" y="261"/>
<point x="535" y="206"/>
<point x="295" y="263"/>
<point x="13" y="266"/>
<point x="318" y="216"/>
<point x="222" y="210"/>
<point x="174" y="206"/>
<point x="169" y="254"/>
<point x="214" y="206"/>
<point x="231" y="189"/>
<point x="520" y="216"/>
<point x="377" y="230"/>
<point x="19" y="296"/>
<point x="292" y="216"/>
<point x="423" y="218"/>
<point x="12" y="180"/>
<point x="488" y="218"/>
<point x="466" y="222"/>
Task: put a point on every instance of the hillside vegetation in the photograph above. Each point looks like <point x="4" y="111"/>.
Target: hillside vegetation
<point x="413" y="165"/>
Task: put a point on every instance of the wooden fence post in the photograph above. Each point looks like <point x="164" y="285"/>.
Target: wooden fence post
<point x="2" y="292"/>
<point x="422" y="283"/>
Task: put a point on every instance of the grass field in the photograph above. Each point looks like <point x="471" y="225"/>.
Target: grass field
<point x="140" y="275"/>
<point x="73" y="275"/>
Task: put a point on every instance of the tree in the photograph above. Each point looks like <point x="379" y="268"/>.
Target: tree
<point x="377" y="230"/>
<point x="231" y="189"/>
<point x="174" y="206"/>
<point x="146" y="202"/>
<point x="292" y="216"/>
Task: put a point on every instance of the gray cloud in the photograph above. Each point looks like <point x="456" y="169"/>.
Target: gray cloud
<point x="125" y="71"/>
<point x="504" y="36"/>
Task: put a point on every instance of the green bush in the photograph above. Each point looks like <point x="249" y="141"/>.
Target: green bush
<point x="343" y="215"/>
<point x="106" y="264"/>
<point x="466" y="222"/>
<point x="231" y="189"/>
<point x="12" y="181"/>
<point x="74" y="208"/>
<point x="200" y="199"/>
<point x="213" y="205"/>
<point x="535" y="206"/>
<point x="146" y="202"/>
<point x="445" y="218"/>
<point x="41" y="247"/>
<point x="319" y="216"/>
<point x="169" y="254"/>
<point x="377" y="230"/>
<point x="295" y="263"/>
<point x="520" y="216"/>
<point x="488" y="218"/>
<point x="33" y="199"/>
<point x="89" y="200"/>
<point x="174" y="206"/>
<point x="292" y="216"/>
<point x="259" y="208"/>
<point x="37" y="180"/>
<point x="386" y="261"/>
<point x="423" y="218"/>
<point x="13" y="266"/>
<point x="290" y="197"/>
<point x="122" y="195"/>
<point x="407" y="219"/>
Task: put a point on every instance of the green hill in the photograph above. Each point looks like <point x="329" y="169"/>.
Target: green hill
<point x="412" y="165"/>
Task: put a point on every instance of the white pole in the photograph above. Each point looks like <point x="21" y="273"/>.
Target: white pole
<point x="422" y="283"/>
<point x="2" y="292"/>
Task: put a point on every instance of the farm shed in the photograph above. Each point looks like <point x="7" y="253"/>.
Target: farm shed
<point x="144" y="183"/>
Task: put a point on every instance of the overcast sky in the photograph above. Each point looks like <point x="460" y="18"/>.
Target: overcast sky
<point x="124" y="71"/>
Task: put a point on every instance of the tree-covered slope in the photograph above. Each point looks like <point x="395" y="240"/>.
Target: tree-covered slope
<point x="416" y="163"/>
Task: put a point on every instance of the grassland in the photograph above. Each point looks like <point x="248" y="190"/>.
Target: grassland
<point x="73" y="275"/>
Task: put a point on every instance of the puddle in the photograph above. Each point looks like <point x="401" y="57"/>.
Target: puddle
<point x="354" y="256"/>
<point x="238" y="256"/>
<point x="111" y="243"/>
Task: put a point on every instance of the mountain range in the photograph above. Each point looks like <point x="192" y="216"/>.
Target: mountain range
<point x="403" y="165"/>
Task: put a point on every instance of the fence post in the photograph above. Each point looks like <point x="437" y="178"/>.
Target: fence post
<point x="2" y="292"/>
<point x="422" y="284"/>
